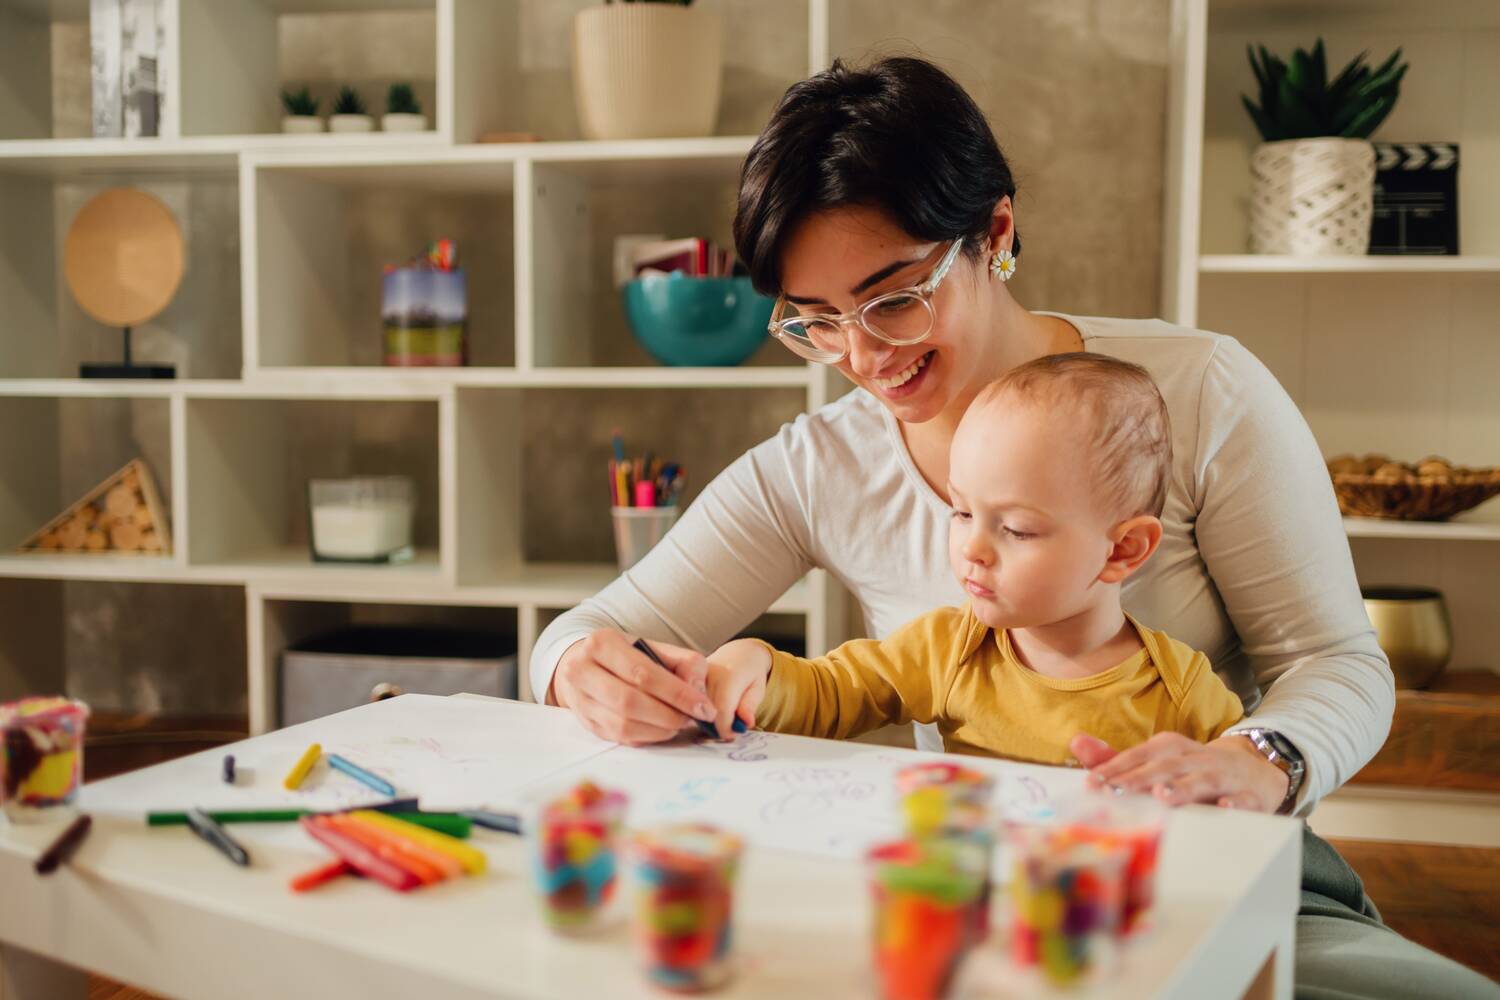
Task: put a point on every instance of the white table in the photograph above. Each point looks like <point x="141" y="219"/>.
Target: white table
<point x="157" y="909"/>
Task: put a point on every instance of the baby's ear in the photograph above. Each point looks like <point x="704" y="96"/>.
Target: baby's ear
<point x="1133" y="540"/>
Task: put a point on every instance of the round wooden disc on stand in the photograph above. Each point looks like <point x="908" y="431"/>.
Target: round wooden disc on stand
<point x="123" y="259"/>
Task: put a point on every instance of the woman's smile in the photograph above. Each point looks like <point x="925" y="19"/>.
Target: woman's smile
<point x="905" y="382"/>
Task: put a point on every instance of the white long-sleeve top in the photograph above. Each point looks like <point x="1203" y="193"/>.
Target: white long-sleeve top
<point x="1253" y="569"/>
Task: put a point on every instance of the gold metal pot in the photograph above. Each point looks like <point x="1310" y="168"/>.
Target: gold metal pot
<point x="1412" y="626"/>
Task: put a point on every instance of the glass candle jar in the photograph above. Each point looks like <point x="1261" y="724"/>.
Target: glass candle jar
<point x="362" y="520"/>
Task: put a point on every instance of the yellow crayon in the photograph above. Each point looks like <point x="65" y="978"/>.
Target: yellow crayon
<point x="304" y="764"/>
<point x="471" y="858"/>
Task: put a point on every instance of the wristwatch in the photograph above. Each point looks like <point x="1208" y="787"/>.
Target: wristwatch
<point x="1279" y="751"/>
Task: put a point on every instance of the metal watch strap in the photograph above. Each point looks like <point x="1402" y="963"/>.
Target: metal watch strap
<point x="1288" y="761"/>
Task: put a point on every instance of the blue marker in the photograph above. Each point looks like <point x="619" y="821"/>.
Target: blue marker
<point x="361" y="775"/>
<point x="706" y="728"/>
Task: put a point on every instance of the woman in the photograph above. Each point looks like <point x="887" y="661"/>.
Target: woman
<point x="877" y="206"/>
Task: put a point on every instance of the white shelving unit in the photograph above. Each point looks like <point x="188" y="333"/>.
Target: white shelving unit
<point x="279" y="328"/>
<point x="1382" y="354"/>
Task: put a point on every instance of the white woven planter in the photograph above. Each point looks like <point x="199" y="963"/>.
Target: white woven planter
<point x="647" y="70"/>
<point x="1312" y="197"/>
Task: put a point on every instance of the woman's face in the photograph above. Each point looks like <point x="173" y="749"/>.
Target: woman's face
<point x="836" y="260"/>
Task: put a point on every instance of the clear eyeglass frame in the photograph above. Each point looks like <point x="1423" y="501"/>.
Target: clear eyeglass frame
<point x="825" y="339"/>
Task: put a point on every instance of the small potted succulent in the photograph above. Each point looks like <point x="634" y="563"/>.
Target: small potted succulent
<point x="1313" y="178"/>
<point x="647" y="69"/>
<point x="349" y="113"/>
<point x="301" y="109"/>
<point x="402" y="111"/>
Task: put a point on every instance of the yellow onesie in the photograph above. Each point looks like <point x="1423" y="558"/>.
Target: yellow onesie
<point x="950" y="668"/>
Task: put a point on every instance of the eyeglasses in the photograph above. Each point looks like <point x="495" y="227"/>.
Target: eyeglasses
<point x="900" y="318"/>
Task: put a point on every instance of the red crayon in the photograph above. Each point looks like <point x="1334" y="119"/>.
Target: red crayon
<point x="321" y="875"/>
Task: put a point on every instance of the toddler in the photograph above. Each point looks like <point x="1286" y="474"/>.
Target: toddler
<point x="1058" y="475"/>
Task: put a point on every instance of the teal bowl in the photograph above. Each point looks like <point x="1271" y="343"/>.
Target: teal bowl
<point x="697" y="321"/>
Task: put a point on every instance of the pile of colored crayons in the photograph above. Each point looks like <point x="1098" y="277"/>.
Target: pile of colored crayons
<point x="387" y="849"/>
<point x="643" y="482"/>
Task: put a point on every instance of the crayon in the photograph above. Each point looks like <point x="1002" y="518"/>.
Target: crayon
<point x="214" y="834"/>
<point x="359" y="857"/>
<point x="229" y="769"/>
<point x="426" y="873"/>
<point x="321" y="875"/>
<point x="359" y="774"/>
<point x="446" y="865"/>
<point x="304" y="764"/>
<point x="473" y="860"/>
<point x="66" y="843"/>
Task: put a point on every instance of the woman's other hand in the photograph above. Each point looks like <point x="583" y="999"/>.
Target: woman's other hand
<point x="620" y="695"/>
<point x="1228" y="771"/>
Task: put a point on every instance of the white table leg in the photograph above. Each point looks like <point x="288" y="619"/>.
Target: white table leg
<point x="1274" y="980"/>
<point x="25" y="975"/>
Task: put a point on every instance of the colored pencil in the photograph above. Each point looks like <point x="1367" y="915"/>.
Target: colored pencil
<point x="321" y="875"/>
<point x="503" y="822"/>
<point x="473" y="860"/>
<point x="66" y="843"/>
<point x="359" y="774"/>
<point x="304" y="764"/>
<point x="359" y="857"/>
<point x="706" y="728"/>
<point x="215" y="835"/>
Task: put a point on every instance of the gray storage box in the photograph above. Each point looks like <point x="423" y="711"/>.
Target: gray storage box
<point x="356" y="666"/>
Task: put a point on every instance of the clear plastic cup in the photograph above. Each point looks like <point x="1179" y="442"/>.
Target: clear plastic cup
<point x="573" y="839"/>
<point x="41" y="758"/>
<point x="1134" y="823"/>
<point x="684" y="904"/>
<point x="638" y="529"/>
<point x="924" y="891"/>
<point x="1066" y="897"/>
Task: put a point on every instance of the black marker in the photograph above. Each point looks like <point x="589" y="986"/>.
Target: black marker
<point x="204" y="826"/>
<point x="706" y="728"/>
<point x="229" y="769"/>
<point x="503" y="822"/>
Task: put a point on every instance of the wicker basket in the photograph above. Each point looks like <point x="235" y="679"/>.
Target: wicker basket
<point x="1431" y="490"/>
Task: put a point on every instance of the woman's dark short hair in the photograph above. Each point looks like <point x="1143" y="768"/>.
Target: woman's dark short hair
<point x="900" y="135"/>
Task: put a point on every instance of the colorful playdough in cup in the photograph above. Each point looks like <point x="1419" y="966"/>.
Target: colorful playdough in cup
<point x="924" y="892"/>
<point x="41" y="763"/>
<point x="574" y="839"/>
<point x="684" y="903"/>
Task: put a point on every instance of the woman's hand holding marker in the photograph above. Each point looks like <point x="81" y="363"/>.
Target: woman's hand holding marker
<point x="620" y="695"/>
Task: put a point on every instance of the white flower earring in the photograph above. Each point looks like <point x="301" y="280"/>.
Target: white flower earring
<point x="1002" y="265"/>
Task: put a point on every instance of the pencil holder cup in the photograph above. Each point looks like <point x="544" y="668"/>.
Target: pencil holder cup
<point x="638" y="529"/>
<point x="684" y="904"/>
<point x="923" y="891"/>
<point x="573" y="839"/>
<point x="41" y="758"/>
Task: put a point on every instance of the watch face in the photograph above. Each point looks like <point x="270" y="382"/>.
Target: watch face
<point x="1282" y="745"/>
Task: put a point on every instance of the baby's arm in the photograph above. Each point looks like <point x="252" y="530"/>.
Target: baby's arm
<point x="862" y="685"/>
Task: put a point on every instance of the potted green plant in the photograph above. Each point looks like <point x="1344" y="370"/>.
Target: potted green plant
<point x="403" y="113"/>
<point x="1313" y="178"/>
<point x="349" y="113"/>
<point x="301" y="112"/>
<point x="646" y="69"/>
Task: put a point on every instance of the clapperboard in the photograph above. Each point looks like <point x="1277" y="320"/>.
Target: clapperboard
<point x="1416" y="198"/>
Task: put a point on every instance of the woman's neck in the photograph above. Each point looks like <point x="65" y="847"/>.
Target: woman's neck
<point x="1027" y="336"/>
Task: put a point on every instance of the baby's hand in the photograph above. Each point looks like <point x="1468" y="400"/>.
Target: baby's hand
<point x="737" y="673"/>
